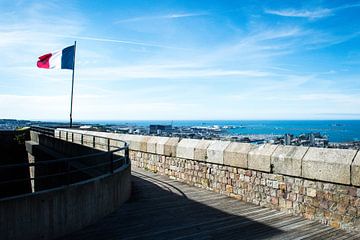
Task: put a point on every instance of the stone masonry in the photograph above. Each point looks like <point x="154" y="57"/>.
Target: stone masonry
<point x="318" y="184"/>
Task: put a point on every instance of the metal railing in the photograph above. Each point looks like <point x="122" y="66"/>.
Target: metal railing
<point x="43" y="130"/>
<point x="110" y="160"/>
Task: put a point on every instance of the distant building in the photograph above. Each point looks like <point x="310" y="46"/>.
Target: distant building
<point x="158" y="129"/>
<point x="287" y="139"/>
<point x="312" y="139"/>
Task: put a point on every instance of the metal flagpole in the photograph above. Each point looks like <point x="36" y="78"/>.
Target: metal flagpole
<point x="72" y="86"/>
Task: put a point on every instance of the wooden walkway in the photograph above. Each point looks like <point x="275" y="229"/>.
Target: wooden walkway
<point x="161" y="208"/>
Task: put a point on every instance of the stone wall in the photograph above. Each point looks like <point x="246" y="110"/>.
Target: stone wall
<point x="319" y="184"/>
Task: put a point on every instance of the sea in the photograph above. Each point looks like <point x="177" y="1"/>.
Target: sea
<point x="335" y="130"/>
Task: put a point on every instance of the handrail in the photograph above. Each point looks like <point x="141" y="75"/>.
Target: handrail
<point x="44" y="130"/>
<point x="48" y="162"/>
<point x="108" y="157"/>
<point x="96" y="136"/>
<point x="57" y="174"/>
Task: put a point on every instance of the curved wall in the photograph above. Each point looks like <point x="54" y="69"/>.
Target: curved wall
<point x="53" y="213"/>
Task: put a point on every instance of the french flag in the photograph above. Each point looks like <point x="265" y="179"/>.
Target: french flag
<point x="62" y="59"/>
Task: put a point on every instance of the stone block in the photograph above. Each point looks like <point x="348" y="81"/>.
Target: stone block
<point x="57" y="133"/>
<point x="186" y="148"/>
<point x="101" y="143"/>
<point x="63" y="135"/>
<point x="327" y="164"/>
<point x="215" y="152"/>
<point x="77" y="138"/>
<point x="200" y="153"/>
<point x="88" y="140"/>
<point x="137" y="142"/>
<point x="355" y="171"/>
<point x="170" y="146"/>
<point x="157" y="145"/>
<point x="160" y="145"/>
<point x="287" y="160"/>
<point x="236" y="154"/>
<point x="259" y="157"/>
<point x="151" y="145"/>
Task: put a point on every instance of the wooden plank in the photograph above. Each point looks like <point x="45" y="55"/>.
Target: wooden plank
<point x="161" y="208"/>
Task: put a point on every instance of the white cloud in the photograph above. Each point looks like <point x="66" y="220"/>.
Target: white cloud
<point x="161" y="72"/>
<point x="310" y="14"/>
<point x="313" y="14"/>
<point x="162" y="17"/>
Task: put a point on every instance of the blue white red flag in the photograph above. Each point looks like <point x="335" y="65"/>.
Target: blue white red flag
<point x="62" y="59"/>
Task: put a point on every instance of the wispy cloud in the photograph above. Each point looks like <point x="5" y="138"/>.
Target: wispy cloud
<point x="160" y="17"/>
<point x="161" y="72"/>
<point x="311" y="14"/>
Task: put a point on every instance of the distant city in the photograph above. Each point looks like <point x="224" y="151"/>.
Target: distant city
<point x="210" y="132"/>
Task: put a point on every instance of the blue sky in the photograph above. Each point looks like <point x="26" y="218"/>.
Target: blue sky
<point x="182" y="59"/>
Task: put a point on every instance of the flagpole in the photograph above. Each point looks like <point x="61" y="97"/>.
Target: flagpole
<point x="72" y="87"/>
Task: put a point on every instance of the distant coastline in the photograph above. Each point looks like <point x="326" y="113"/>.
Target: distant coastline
<point x="334" y="130"/>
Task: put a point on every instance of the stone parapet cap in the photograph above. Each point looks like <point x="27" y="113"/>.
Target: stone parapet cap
<point x="236" y="154"/>
<point x="288" y="160"/>
<point x="324" y="164"/>
<point x="215" y="151"/>
<point x="355" y="170"/>
<point x="157" y="145"/>
<point x="200" y="152"/>
<point x="259" y="157"/>
<point x="186" y="148"/>
<point x="170" y="146"/>
<point x="331" y="165"/>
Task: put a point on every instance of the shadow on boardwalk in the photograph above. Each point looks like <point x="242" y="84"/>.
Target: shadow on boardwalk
<point x="161" y="208"/>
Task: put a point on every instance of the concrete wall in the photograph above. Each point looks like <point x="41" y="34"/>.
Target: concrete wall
<point x="12" y="149"/>
<point x="52" y="213"/>
<point x="42" y="148"/>
<point x="319" y="184"/>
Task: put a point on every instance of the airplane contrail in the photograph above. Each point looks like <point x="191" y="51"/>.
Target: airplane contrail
<point x="121" y="41"/>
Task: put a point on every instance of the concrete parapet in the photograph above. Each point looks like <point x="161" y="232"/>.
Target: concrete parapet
<point x="57" y="133"/>
<point x="355" y="170"/>
<point x="200" y="152"/>
<point x="63" y="135"/>
<point x="170" y="146"/>
<point x="101" y="143"/>
<point x="77" y="138"/>
<point x="151" y="145"/>
<point x="160" y="145"/>
<point x="157" y="145"/>
<point x="332" y="165"/>
<point x="236" y="154"/>
<point x="186" y="148"/>
<point x="259" y="157"/>
<point x="215" y="152"/>
<point x="51" y="214"/>
<point x="137" y="142"/>
<point x="287" y="160"/>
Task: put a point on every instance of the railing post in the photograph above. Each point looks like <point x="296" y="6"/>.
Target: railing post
<point x="82" y="139"/>
<point x="108" y="144"/>
<point x="93" y="141"/>
<point x="127" y="158"/>
<point x="72" y="137"/>
<point x="66" y="136"/>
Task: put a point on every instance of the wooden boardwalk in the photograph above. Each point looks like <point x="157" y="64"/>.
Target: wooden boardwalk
<point x="161" y="208"/>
